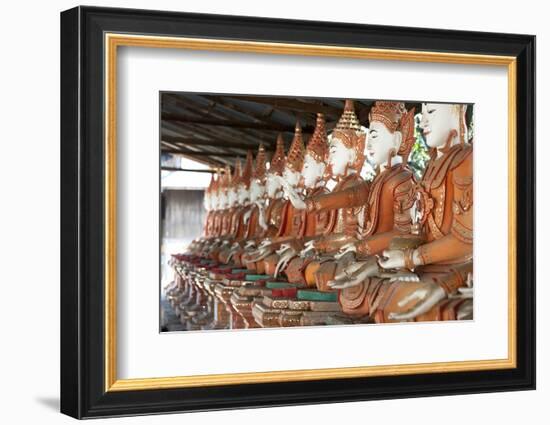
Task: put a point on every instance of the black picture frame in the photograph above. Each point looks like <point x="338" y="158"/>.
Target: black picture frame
<point x="83" y="392"/>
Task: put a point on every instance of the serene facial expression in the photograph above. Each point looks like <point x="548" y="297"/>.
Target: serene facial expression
<point x="380" y="143"/>
<point x="272" y="185"/>
<point x="291" y="176"/>
<point x="243" y="195"/>
<point x="312" y="171"/>
<point x="257" y="190"/>
<point x="339" y="157"/>
<point x="438" y="119"/>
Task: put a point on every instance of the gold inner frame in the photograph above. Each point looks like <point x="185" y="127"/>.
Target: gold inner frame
<point x="113" y="41"/>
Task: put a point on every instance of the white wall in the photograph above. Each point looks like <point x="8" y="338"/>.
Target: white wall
<point x="29" y="160"/>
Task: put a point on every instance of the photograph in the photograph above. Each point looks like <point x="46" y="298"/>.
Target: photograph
<point x="273" y="211"/>
<point x="297" y="211"/>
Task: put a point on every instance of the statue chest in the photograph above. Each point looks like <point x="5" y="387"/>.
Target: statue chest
<point x="433" y="199"/>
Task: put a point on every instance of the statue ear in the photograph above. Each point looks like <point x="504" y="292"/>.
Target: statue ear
<point x="397" y="139"/>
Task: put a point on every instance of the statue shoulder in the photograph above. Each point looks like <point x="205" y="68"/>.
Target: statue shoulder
<point x="400" y="182"/>
<point x="463" y="158"/>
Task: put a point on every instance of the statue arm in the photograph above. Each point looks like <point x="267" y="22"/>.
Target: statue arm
<point x="354" y="196"/>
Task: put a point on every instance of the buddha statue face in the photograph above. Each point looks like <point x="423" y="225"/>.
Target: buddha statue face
<point x="438" y="120"/>
<point x="257" y="190"/>
<point x="242" y="194"/>
<point x="272" y="185"/>
<point x="213" y="200"/>
<point x="291" y="176"/>
<point x="312" y="171"/>
<point x="340" y="157"/>
<point x="222" y="199"/>
<point x="381" y="143"/>
<point x="231" y="196"/>
<point x="206" y="201"/>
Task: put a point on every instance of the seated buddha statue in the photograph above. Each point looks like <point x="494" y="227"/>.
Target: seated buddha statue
<point x="254" y="228"/>
<point x="387" y="211"/>
<point x="292" y="220"/>
<point x="209" y="203"/>
<point x="315" y="223"/>
<point x="443" y="224"/>
<point x="222" y="219"/>
<point x="269" y="211"/>
<point x="241" y="208"/>
<point x="346" y="200"/>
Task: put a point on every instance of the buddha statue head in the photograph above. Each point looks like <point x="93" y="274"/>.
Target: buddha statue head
<point x="315" y="158"/>
<point x="257" y="184"/>
<point x="443" y="124"/>
<point x="276" y="169"/>
<point x="243" y="188"/>
<point x="347" y="144"/>
<point x="207" y="200"/>
<point x="295" y="158"/>
<point x="233" y="185"/>
<point x="391" y="133"/>
<point x="213" y="195"/>
<point x="224" y="188"/>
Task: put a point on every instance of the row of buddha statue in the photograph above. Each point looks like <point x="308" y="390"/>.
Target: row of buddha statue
<point x="306" y="240"/>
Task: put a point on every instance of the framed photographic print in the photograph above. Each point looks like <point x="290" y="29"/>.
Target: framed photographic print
<point x="261" y="212"/>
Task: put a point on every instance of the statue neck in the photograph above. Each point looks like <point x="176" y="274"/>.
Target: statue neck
<point x="453" y="138"/>
<point x="396" y="159"/>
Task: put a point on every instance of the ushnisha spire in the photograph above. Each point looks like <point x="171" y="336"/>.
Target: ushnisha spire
<point x="278" y="160"/>
<point x="348" y="131"/>
<point x="237" y="173"/>
<point x="226" y="181"/>
<point x="295" y="157"/>
<point x="246" y="174"/>
<point x="317" y="147"/>
<point x="260" y="167"/>
<point x="349" y="120"/>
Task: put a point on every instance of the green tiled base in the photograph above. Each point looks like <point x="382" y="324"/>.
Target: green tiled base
<point x="235" y="271"/>
<point x="255" y="277"/>
<point x="279" y="285"/>
<point x="310" y="295"/>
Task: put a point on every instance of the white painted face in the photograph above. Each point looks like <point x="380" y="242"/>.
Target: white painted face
<point x="272" y="185"/>
<point x="339" y="157"/>
<point x="242" y="195"/>
<point x="231" y="197"/>
<point x="312" y="171"/>
<point x="380" y="143"/>
<point x="438" y="119"/>
<point x="206" y="201"/>
<point x="214" y="201"/>
<point x="291" y="176"/>
<point x="257" y="190"/>
<point x="222" y="199"/>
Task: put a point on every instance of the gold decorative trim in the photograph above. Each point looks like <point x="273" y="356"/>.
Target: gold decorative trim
<point x="113" y="41"/>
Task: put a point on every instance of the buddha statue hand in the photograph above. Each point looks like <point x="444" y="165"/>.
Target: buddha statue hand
<point x="355" y="274"/>
<point x="393" y="259"/>
<point x="293" y="196"/>
<point x="234" y="248"/>
<point x="308" y="249"/>
<point x="286" y="252"/>
<point x="249" y="245"/>
<point x="468" y="291"/>
<point x="345" y="250"/>
<point x="424" y="298"/>
<point x="264" y="249"/>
